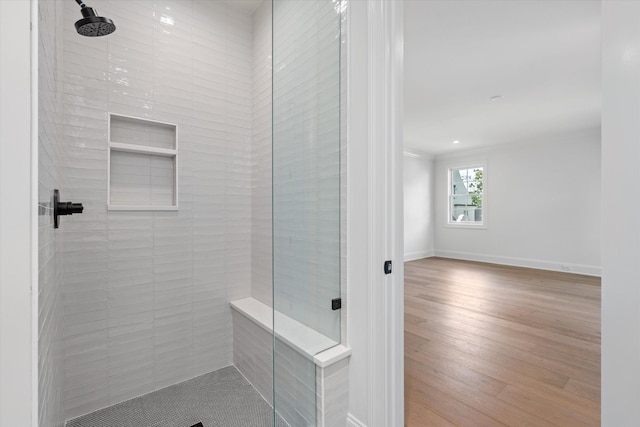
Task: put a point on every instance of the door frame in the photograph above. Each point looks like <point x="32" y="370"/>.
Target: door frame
<point x="386" y="57"/>
<point x="18" y="215"/>
<point x="375" y="300"/>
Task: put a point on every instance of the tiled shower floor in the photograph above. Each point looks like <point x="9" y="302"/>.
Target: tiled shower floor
<point x="222" y="398"/>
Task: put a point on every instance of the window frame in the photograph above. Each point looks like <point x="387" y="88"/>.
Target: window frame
<point x="467" y="224"/>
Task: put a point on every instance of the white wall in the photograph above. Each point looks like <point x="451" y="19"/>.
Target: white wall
<point x="146" y="293"/>
<point x="542" y="205"/>
<point x="418" y="207"/>
<point x="620" y="230"/>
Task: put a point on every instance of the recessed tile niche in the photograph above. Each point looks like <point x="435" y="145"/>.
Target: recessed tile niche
<point x="143" y="164"/>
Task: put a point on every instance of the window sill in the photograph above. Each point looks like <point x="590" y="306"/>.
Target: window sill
<point x="467" y="226"/>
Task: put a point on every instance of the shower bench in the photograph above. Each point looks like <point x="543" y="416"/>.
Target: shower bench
<point x="311" y="369"/>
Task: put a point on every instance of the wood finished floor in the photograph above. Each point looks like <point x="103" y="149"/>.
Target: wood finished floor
<point x="490" y="345"/>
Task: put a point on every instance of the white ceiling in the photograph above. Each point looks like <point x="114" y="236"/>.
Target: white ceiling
<point x="245" y="6"/>
<point x="542" y="56"/>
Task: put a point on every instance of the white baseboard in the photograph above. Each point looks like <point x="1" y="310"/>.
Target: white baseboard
<point x="354" y="422"/>
<point x="565" y="267"/>
<point x="412" y="256"/>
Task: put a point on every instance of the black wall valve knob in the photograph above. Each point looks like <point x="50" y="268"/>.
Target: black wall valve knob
<point x="63" y="208"/>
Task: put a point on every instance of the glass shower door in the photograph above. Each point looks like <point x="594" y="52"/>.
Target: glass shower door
<point x="306" y="199"/>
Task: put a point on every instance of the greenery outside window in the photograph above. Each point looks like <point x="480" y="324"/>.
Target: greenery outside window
<point x="467" y="196"/>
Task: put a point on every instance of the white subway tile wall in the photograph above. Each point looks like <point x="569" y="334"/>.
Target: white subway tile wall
<point x="261" y="250"/>
<point x="343" y="176"/>
<point x="146" y="293"/>
<point x="332" y="394"/>
<point x="143" y="300"/>
<point x="50" y="304"/>
<point x="306" y="394"/>
<point x="306" y="162"/>
<point x="261" y="243"/>
<point x="295" y="384"/>
<point x="253" y="354"/>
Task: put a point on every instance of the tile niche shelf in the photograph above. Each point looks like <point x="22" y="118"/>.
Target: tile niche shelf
<point x="142" y="164"/>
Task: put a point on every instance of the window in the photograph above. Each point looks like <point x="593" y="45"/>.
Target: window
<point x="466" y="196"/>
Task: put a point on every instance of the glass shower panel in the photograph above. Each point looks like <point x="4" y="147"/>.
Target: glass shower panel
<point x="306" y="198"/>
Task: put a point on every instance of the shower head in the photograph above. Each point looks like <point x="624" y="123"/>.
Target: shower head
<point x="93" y="25"/>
